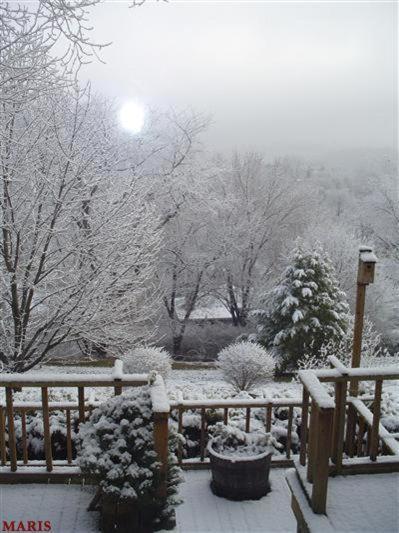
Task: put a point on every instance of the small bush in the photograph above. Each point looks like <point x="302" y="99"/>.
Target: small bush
<point x="246" y="365"/>
<point x="117" y="447"/>
<point x="144" y="359"/>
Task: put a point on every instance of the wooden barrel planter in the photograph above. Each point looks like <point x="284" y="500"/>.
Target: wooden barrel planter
<point x="240" y="478"/>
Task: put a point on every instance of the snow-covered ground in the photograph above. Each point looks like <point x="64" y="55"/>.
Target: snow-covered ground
<point x="65" y="507"/>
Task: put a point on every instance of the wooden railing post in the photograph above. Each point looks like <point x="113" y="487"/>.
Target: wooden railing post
<point x="312" y="445"/>
<point x="3" y="437"/>
<point x="46" y="430"/>
<point x="162" y="449"/>
<point x="81" y="403"/>
<point x="161" y="410"/>
<point x="321" y="460"/>
<point x="339" y="424"/>
<point x="304" y="426"/>
<point x="376" y="420"/>
<point x="11" y="430"/>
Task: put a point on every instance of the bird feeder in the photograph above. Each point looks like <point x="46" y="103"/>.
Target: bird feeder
<point x="367" y="261"/>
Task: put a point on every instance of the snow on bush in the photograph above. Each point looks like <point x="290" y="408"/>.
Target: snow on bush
<point x="230" y="440"/>
<point x="246" y="365"/>
<point x="374" y="353"/>
<point x="117" y="446"/>
<point x="144" y="359"/>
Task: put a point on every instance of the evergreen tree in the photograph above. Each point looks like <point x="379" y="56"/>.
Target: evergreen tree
<point x="305" y="310"/>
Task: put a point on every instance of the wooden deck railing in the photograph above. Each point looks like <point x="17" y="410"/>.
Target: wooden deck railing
<point x="329" y="446"/>
<point x="8" y="411"/>
<point x="269" y="405"/>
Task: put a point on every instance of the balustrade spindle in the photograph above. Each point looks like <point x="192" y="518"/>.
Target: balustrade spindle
<point x="304" y="426"/>
<point x="69" y="436"/>
<point x="46" y="430"/>
<point x="289" y="432"/>
<point x="202" y="442"/>
<point x="81" y="403"/>
<point x="11" y="429"/>
<point x="376" y="420"/>
<point x="247" y="419"/>
<point x="3" y="451"/>
<point x="24" y="438"/>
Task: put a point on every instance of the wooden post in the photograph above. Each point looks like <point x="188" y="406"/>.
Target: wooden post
<point x="376" y="420"/>
<point x="24" y="438"/>
<point x="46" y="430"/>
<point x="81" y="402"/>
<point x="304" y="426"/>
<point x="268" y="418"/>
<point x="161" y="446"/>
<point x="289" y="431"/>
<point x="11" y="430"/>
<point x="3" y="451"/>
<point x="226" y="416"/>
<point x="365" y="275"/>
<point x="321" y="461"/>
<point x="180" y="431"/>
<point x="339" y="424"/>
<point x="247" y="419"/>
<point x="312" y="445"/>
<point x="202" y="439"/>
<point x="69" y="436"/>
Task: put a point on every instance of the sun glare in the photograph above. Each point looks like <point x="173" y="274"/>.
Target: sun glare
<point x="132" y="116"/>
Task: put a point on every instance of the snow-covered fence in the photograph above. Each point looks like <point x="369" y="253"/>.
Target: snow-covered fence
<point x="25" y="469"/>
<point x="325" y="441"/>
<point x="204" y="406"/>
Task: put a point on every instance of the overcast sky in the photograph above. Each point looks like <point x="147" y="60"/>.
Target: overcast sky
<point x="280" y="77"/>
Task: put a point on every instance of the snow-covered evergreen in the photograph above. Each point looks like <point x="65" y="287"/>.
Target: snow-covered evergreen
<point x="117" y="447"/>
<point x="305" y="310"/>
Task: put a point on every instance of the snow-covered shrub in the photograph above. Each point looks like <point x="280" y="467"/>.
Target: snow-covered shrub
<point x="246" y="365"/>
<point x="117" y="447"/>
<point x="305" y="310"/>
<point x="230" y="440"/>
<point x="144" y="359"/>
<point x="374" y="353"/>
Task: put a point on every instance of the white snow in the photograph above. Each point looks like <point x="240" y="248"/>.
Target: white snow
<point x="203" y="512"/>
<point x="63" y="505"/>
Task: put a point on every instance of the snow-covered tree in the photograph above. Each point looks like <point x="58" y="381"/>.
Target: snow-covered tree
<point x="256" y="206"/>
<point x="117" y="447"/>
<point x="246" y="365"/>
<point x="80" y="237"/>
<point x="305" y="310"/>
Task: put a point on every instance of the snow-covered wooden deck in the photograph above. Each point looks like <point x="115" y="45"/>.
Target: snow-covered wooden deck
<point x="364" y="503"/>
<point x="202" y="512"/>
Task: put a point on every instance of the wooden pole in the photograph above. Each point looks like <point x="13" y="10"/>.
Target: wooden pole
<point x="304" y="426"/>
<point x="3" y="437"/>
<point x="376" y="420"/>
<point x="11" y="430"/>
<point x="81" y="403"/>
<point x="46" y="430"/>
<point x="24" y="438"/>
<point x="161" y="448"/>
<point x="321" y="461"/>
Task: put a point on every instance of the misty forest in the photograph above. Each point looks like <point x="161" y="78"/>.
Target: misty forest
<point x="161" y="208"/>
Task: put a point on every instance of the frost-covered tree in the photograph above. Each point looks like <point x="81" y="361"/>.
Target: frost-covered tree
<point x="305" y="310"/>
<point x="256" y="205"/>
<point x="80" y="237"/>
